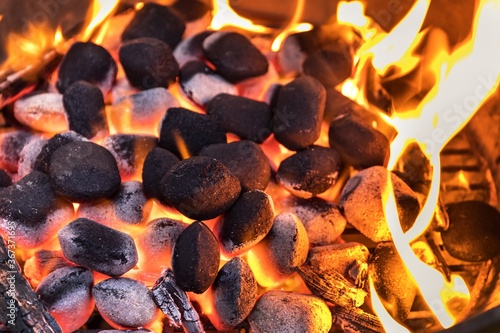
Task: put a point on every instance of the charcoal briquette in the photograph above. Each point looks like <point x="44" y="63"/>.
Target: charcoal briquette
<point x="190" y="10"/>
<point x="28" y="156"/>
<point x="87" y="62"/>
<point x="11" y="145"/>
<point x="182" y="128"/>
<point x="195" y="259"/>
<point x="310" y="172"/>
<point x="191" y="48"/>
<point x="234" y="56"/>
<point x="84" y="172"/>
<point x="42" y="160"/>
<point x="247" y="118"/>
<point x="246" y="223"/>
<point x="97" y="247"/>
<point x="299" y="112"/>
<point x="42" y="263"/>
<point x="5" y="180"/>
<point x="200" y="188"/>
<point x="124" y="303"/>
<point x="338" y="104"/>
<point x="157" y="163"/>
<point x="245" y="159"/>
<point x="84" y="105"/>
<point x="155" y="21"/>
<point x="42" y="112"/>
<point x="148" y="63"/>
<point x="331" y="65"/>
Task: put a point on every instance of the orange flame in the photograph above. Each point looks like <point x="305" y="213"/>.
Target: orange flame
<point x="292" y="26"/>
<point x="224" y="15"/>
<point x="101" y="10"/>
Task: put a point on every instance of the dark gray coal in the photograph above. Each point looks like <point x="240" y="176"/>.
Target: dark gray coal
<point x="84" y="172"/>
<point x="148" y="63"/>
<point x="190" y="10"/>
<point x="191" y="48"/>
<point x="310" y="171"/>
<point x="194" y="130"/>
<point x="246" y="223"/>
<point x="11" y="145"/>
<point x="247" y="118"/>
<point x="100" y="248"/>
<point x="5" y="180"/>
<point x="299" y="112"/>
<point x="330" y="65"/>
<point x="84" y="105"/>
<point x="87" y="62"/>
<point x="200" y="188"/>
<point x="195" y="259"/>
<point x="155" y="21"/>
<point x="156" y="165"/>
<point x="245" y="159"/>
<point x="42" y="161"/>
<point x="235" y="58"/>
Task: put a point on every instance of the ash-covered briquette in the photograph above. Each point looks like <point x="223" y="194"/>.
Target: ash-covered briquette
<point x="124" y="303"/>
<point x="84" y="172"/>
<point x="330" y="65"/>
<point x="195" y="259"/>
<point x="284" y="312"/>
<point x="323" y="220"/>
<point x="359" y="144"/>
<point x="155" y="166"/>
<point x="361" y="200"/>
<point x="298" y="114"/>
<point x="5" y="180"/>
<point x="474" y="232"/>
<point x="155" y="21"/>
<point x="130" y="151"/>
<point x="185" y="129"/>
<point x="42" y="263"/>
<point x="11" y="145"/>
<point x="148" y="63"/>
<point x="247" y="118"/>
<point x="87" y="62"/>
<point x="156" y="243"/>
<point x="201" y="84"/>
<point x="310" y="172"/>
<point x="190" y="10"/>
<point x="191" y="48"/>
<point x="392" y="281"/>
<point x="245" y="159"/>
<point x="66" y="293"/>
<point x="84" y="105"/>
<point x="234" y="293"/>
<point x="28" y="156"/>
<point x="42" y="160"/>
<point x="97" y="247"/>
<point x="235" y="58"/>
<point x="246" y="223"/>
<point x="42" y="112"/>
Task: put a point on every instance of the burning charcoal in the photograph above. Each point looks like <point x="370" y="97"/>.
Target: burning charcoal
<point x="290" y="57"/>
<point x="195" y="259"/>
<point x="415" y="169"/>
<point x="245" y="159"/>
<point x="361" y="200"/>
<point x="87" y="62"/>
<point x="246" y="223"/>
<point x="66" y="293"/>
<point x="156" y="21"/>
<point x="359" y="144"/>
<point x="42" y="263"/>
<point x="234" y="294"/>
<point x="128" y="207"/>
<point x="148" y="63"/>
<point x="31" y="210"/>
<point x="156" y="243"/>
<point x="84" y="172"/>
<point x="310" y="172"/>
<point x="124" y="303"/>
<point x="323" y="221"/>
<point x="84" y="105"/>
<point x="191" y="48"/>
<point x="330" y="65"/>
<point x="130" y="151"/>
<point x="201" y="84"/>
<point x="283" y="312"/>
<point x="392" y="281"/>
<point x="200" y="188"/>
<point x="156" y="165"/>
<point x="144" y="330"/>
<point x="100" y="248"/>
<point x="234" y="56"/>
<point x="141" y="113"/>
<point x="242" y="116"/>
<point x="299" y="112"/>
<point x="338" y="104"/>
<point x="28" y="156"/>
<point x="473" y="234"/>
<point x="190" y="10"/>
<point x="11" y="145"/>
<point x="182" y="129"/>
<point x="175" y="304"/>
<point x="42" y="112"/>
<point x="42" y="161"/>
<point x="5" y="180"/>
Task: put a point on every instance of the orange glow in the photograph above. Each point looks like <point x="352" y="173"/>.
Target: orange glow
<point x="389" y="324"/>
<point x="224" y="16"/>
<point x="463" y="181"/>
<point x="292" y="26"/>
<point x="101" y="10"/>
<point x="181" y="144"/>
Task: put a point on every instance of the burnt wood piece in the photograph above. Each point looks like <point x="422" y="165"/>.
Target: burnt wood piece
<point x="31" y="315"/>
<point x="356" y="320"/>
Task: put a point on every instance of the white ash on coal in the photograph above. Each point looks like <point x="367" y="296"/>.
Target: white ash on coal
<point x="191" y="49"/>
<point x="12" y="143"/>
<point x="28" y="156"/>
<point x="39" y="110"/>
<point x="157" y="163"/>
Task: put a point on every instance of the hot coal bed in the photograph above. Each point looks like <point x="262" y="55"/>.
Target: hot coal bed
<point x="160" y="182"/>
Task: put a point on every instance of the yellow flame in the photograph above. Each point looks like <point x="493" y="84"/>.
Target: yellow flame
<point x="388" y="323"/>
<point x="463" y="180"/>
<point x="101" y="10"/>
<point x="292" y="26"/>
<point x="353" y="14"/>
<point x="58" y="36"/>
<point x="224" y="15"/>
<point x="139" y="5"/>
<point x="181" y="144"/>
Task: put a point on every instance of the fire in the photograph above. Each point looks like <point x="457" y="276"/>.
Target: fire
<point x="101" y="10"/>
<point x="292" y="26"/>
<point x="224" y="16"/>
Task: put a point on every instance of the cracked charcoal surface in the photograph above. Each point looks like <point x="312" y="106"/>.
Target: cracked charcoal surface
<point x="42" y="161"/>
<point x="156" y="165"/>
